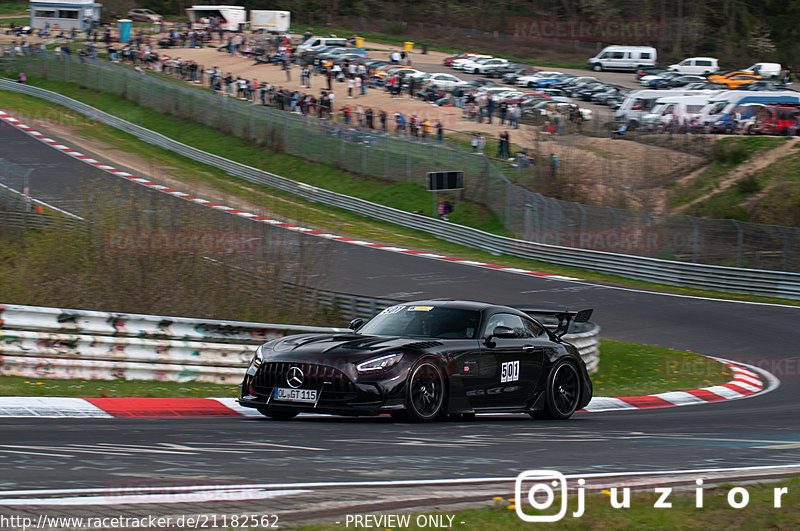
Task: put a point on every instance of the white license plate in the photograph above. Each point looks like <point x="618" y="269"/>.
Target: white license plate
<point x="295" y="395"/>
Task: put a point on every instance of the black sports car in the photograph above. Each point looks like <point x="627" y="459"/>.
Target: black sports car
<point x="424" y="361"/>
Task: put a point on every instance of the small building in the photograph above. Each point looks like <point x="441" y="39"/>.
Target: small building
<point x="64" y="14"/>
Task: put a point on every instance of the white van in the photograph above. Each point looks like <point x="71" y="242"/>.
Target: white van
<point x="674" y="110"/>
<point x="623" y="58"/>
<point x="317" y="43"/>
<point x="641" y="102"/>
<point x="696" y="65"/>
<point x="765" y="69"/>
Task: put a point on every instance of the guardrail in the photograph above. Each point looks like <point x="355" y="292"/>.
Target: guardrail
<point x="39" y="342"/>
<point x="751" y="281"/>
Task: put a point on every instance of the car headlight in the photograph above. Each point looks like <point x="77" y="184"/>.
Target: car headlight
<point x="255" y="363"/>
<point x="381" y="363"/>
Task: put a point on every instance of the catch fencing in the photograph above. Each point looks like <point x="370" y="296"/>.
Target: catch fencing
<point x="693" y="273"/>
<point x="525" y="214"/>
<point x="39" y="342"/>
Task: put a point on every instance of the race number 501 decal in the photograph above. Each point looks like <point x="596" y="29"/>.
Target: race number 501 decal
<point x="509" y="371"/>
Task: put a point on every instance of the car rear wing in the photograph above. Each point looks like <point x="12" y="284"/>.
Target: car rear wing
<point x="562" y="315"/>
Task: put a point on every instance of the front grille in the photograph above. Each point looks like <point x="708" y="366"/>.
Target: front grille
<point x="337" y="386"/>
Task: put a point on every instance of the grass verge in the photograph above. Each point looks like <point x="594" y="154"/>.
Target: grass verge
<point x="716" y="511"/>
<point x="626" y="369"/>
<point x="726" y="154"/>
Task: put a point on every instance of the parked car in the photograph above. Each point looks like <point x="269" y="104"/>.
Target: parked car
<point x="623" y="58"/>
<point x="532" y="79"/>
<point x="775" y="120"/>
<point x="512" y="77"/>
<point x="481" y="66"/>
<point x="448" y="61"/>
<point x="500" y="71"/>
<point x="766" y="70"/>
<point x="145" y="15"/>
<point x="696" y="65"/>
<point x="458" y="64"/>
<point x="443" y="81"/>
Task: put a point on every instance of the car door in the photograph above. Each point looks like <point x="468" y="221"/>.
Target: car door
<point x="506" y="369"/>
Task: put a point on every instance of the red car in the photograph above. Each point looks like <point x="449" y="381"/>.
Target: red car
<point x="775" y="120"/>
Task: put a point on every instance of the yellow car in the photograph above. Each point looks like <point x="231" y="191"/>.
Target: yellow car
<point x="740" y="79"/>
<point x="717" y="78"/>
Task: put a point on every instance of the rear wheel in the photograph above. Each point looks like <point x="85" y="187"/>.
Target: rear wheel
<point x="563" y="391"/>
<point x="277" y="413"/>
<point x="425" y="392"/>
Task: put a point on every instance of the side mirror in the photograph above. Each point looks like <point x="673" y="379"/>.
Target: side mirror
<point x="356" y="323"/>
<point x="501" y="332"/>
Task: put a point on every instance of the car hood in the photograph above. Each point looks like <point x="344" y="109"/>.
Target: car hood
<point x="337" y="349"/>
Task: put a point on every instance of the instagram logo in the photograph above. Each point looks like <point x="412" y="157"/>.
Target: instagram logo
<point x="539" y="489"/>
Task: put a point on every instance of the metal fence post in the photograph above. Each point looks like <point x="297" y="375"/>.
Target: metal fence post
<point x="785" y="260"/>
<point x="408" y="159"/>
<point x="583" y="224"/>
<point x="652" y="229"/>
<point x="696" y="238"/>
<point x="739" y="242"/>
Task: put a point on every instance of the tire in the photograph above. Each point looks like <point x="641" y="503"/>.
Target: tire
<point x="425" y="392"/>
<point x="563" y="391"/>
<point x="277" y="413"/>
<point x="597" y="67"/>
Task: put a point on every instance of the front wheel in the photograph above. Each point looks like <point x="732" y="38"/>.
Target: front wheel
<point x="277" y="413"/>
<point x="597" y="67"/>
<point x="563" y="391"/>
<point x="425" y="392"/>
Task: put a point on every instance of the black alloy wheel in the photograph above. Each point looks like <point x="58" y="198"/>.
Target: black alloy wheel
<point x="426" y="392"/>
<point x="563" y="391"/>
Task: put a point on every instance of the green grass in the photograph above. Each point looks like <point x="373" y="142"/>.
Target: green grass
<point x="778" y="206"/>
<point x="626" y="369"/>
<point x="21" y="386"/>
<point x="338" y="220"/>
<point x="715" y="513"/>
<point x="12" y="8"/>
<point x="19" y="21"/>
<point x="631" y="369"/>
<point x="727" y="154"/>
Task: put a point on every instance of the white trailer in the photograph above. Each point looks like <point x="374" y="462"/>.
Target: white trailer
<point x="231" y="18"/>
<point x="270" y="21"/>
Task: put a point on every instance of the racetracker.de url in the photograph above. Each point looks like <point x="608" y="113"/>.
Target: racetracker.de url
<point x="197" y="521"/>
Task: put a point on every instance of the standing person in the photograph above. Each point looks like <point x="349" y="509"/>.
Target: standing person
<point x="503" y="150"/>
<point x="305" y="75"/>
<point x="287" y="66"/>
<point x="350" y="85"/>
<point x="556" y="164"/>
<point x="516" y="114"/>
<point x="369" y="117"/>
<point x="357" y="85"/>
<point x="382" y="118"/>
<point x="474" y="142"/>
<point x="439" y="131"/>
<point x="503" y="111"/>
<point x="787" y="75"/>
<point x="411" y="86"/>
<point x="329" y="78"/>
<point x="489" y="107"/>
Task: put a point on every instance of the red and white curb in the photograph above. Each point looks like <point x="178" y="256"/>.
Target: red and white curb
<point x="747" y="382"/>
<point x="154" y="186"/>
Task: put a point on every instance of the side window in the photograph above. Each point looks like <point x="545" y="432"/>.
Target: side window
<point x="533" y="330"/>
<point x="645" y="55"/>
<point x="618" y="55"/>
<point x="703" y="63"/>
<point x="685" y="62"/>
<point x="515" y="322"/>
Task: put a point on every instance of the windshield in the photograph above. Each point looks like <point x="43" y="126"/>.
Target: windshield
<point x="423" y="321"/>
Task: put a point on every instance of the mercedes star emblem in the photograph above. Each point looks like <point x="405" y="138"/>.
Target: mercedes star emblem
<point x="294" y="377"/>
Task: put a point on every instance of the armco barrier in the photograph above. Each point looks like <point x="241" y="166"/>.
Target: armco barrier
<point x="38" y="342"/>
<point x="752" y="281"/>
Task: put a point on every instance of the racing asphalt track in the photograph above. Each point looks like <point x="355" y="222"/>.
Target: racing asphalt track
<point x="116" y="453"/>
